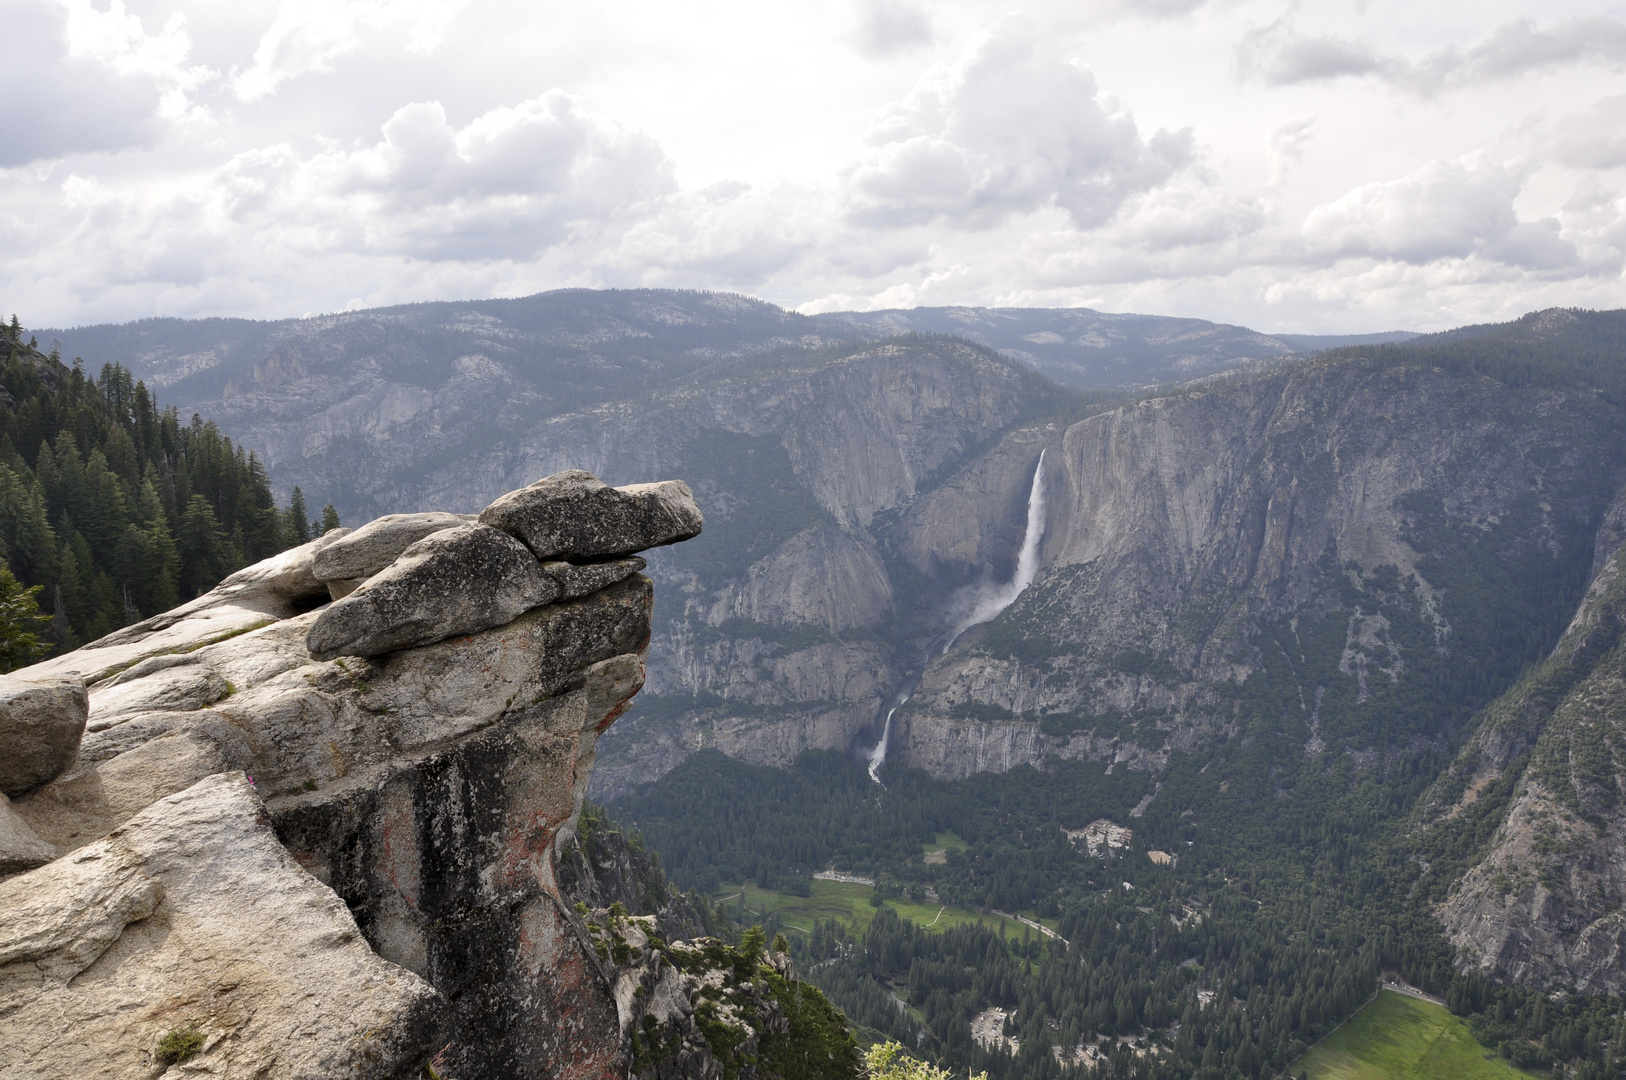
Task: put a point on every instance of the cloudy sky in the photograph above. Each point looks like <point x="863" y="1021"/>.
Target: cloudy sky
<point x="1293" y="166"/>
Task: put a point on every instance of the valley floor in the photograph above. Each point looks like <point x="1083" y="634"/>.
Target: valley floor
<point x="849" y="904"/>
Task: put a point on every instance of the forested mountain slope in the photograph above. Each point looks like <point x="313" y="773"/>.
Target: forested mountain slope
<point x="112" y="507"/>
<point x="1543" y="901"/>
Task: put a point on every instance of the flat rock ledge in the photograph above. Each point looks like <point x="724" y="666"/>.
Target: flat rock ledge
<point x="307" y="837"/>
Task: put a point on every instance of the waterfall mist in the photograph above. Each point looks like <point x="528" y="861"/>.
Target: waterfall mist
<point x="981" y="602"/>
<point x="977" y="604"/>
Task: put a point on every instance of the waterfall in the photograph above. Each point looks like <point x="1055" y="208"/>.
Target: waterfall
<point x="979" y="603"/>
<point x="877" y="756"/>
<point x="985" y="603"/>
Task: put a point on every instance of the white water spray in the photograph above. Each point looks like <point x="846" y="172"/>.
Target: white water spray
<point x="986" y="603"/>
<point x="983" y="604"/>
<point x="877" y="756"/>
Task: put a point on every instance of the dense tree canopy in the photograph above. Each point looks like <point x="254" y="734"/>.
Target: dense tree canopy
<point x="112" y="509"/>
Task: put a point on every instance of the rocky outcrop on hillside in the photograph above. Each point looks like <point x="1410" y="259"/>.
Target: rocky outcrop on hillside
<point x="706" y="1010"/>
<point x="1317" y="513"/>
<point x="1545" y="904"/>
<point x="292" y="842"/>
<point x="691" y="1005"/>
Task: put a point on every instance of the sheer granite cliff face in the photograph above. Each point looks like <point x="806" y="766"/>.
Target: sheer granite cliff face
<point x="1545" y="904"/>
<point x="323" y="867"/>
<point x="780" y="628"/>
<point x="1187" y="535"/>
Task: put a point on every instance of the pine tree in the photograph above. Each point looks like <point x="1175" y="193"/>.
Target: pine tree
<point x="330" y="519"/>
<point x="299" y="529"/>
<point x="97" y="482"/>
<point x="202" y="547"/>
<point x="21" y="641"/>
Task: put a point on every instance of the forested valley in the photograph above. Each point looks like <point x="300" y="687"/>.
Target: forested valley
<point x="111" y="508"/>
<point x="1268" y="884"/>
<point x="1271" y="927"/>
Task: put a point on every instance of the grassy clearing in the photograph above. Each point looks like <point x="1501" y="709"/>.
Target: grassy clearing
<point x="1395" y="1037"/>
<point x="847" y="903"/>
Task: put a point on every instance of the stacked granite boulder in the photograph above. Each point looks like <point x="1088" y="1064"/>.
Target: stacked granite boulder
<point x="413" y="579"/>
<point x="304" y="825"/>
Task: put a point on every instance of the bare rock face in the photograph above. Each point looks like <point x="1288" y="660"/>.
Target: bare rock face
<point x="1177" y="529"/>
<point x="576" y="516"/>
<point x="577" y="581"/>
<point x="40" y="727"/>
<point x="1544" y="906"/>
<point x="326" y="859"/>
<point x="20" y="847"/>
<point x="457" y="581"/>
<point x="194" y="918"/>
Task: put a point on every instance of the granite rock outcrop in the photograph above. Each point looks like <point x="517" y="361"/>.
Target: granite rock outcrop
<point x="576" y="514"/>
<point x="254" y="841"/>
<point x="457" y="581"/>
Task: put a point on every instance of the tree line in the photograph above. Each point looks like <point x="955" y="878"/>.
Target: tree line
<point x="111" y="508"/>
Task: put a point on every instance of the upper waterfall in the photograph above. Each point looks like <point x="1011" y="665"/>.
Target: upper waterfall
<point x="984" y="603"/>
<point x="979" y="604"/>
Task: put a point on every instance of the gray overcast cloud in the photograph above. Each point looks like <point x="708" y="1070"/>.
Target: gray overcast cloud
<point x="1295" y="166"/>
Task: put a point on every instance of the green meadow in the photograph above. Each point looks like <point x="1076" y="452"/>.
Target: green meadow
<point x="848" y="903"/>
<point x="1395" y="1037"/>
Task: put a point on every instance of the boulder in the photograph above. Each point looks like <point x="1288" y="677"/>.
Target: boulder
<point x="577" y="580"/>
<point x="20" y="847"/>
<point x="574" y="515"/>
<point x="41" y="724"/>
<point x="457" y="581"/>
<point x="194" y="918"/>
<point x="369" y="549"/>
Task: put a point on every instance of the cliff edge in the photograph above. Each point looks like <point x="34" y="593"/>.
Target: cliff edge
<point x="305" y="825"/>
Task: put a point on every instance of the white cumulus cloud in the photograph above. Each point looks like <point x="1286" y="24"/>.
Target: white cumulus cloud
<point x="1015" y="129"/>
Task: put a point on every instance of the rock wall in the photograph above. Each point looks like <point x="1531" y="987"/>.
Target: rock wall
<point x="1545" y="904"/>
<point x="339" y="866"/>
<point x="1182" y="530"/>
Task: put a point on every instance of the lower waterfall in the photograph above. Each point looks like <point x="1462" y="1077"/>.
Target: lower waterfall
<point x="977" y="604"/>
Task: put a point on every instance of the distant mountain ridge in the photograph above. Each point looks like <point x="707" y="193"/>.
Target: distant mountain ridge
<point x="194" y="360"/>
<point x="1095" y="350"/>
